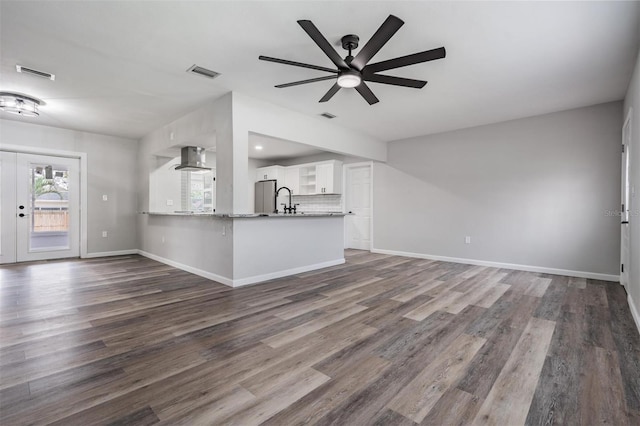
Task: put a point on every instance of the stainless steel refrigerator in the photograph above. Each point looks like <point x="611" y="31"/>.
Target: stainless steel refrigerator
<point x="265" y="196"/>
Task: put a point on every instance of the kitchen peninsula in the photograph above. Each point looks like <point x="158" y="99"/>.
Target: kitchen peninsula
<point x="241" y="249"/>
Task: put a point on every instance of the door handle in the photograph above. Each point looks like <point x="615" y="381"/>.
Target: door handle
<point x="21" y="207"/>
<point x="625" y="222"/>
<point x="23" y="215"/>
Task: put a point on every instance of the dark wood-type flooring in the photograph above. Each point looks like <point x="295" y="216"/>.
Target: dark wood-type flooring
<point x="381" y="340"/>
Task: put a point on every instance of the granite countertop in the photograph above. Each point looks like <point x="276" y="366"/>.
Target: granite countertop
<point x="248" y="215"/>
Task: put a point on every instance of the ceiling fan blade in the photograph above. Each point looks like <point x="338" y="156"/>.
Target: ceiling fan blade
<point x="334" y="89"/>
<point x="311" y="80"/>
<point x="379" y="39"/>
<point x="403" y="61"/>
<point x="296" y="64"/>
<point x="394" y="81"/>
<point x="366" y="93"/>
<point x="322" y="43"/>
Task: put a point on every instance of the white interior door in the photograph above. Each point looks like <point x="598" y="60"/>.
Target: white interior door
<point x="625" y="208"/>
<point x="40" y="207"/>
<point x="358" y="201"/>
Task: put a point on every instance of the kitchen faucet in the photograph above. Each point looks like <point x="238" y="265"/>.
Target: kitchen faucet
<point x="291" y="208"/>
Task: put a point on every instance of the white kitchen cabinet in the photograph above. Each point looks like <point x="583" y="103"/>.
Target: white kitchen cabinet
<point x="292" y="179"/>
<point x="270" y="173"/>
<point x="320" y="178"/>
<point x="324" y="178"/>
<point x="307" y="179"/>
<point x="329" y="178"/>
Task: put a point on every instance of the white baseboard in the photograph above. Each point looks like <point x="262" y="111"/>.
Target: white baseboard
<point x="528" y="268"/>
<point x="111" y="253"/>
<point x="241" y="281"/>
<point x="286" y="272"/>
<point x="634" y="311"/>
<point x="205" y="274"/>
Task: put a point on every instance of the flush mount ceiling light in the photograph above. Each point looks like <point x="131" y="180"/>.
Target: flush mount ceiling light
<point x="258" y="147"/>
<point x="16" y="103"/>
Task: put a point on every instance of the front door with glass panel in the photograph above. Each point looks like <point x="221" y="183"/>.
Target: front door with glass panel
<point x="40" y="207"/>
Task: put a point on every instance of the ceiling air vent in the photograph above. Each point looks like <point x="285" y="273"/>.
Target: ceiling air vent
<point x="327" y="115"/>
<point x="36" y="73"/>
<point x="203" y="72"/>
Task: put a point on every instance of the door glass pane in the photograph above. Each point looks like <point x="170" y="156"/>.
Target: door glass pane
<point x="49" y="207"/>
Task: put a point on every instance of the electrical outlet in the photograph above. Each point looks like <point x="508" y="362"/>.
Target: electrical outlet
<point x="224" y="230"/>
<point x="467" y="240"/>
<point x="104" y="197"/>
<point x="104" y="234"/>
<point x="169" y="202"/>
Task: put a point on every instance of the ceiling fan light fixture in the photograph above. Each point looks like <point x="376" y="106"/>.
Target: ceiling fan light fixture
<point x="349" y="79"/>
<point x="15" y="103"/>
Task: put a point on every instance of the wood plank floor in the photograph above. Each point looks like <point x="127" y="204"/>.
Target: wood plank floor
<point x="381" y="340"/>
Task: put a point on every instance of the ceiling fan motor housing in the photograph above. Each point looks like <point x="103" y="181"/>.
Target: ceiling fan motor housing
<point x="350" y="42"/>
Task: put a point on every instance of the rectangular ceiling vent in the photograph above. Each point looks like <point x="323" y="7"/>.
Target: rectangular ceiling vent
<point x="36" y="73"/>
<point x="327" y="115"/>
<point x="203" y="72"/>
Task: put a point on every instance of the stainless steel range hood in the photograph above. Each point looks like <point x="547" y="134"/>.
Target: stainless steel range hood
<point x="192" y="159"/>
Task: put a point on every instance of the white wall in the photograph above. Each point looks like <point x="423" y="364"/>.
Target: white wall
<point x="530" y="192"/>
<point x="265" y="248"/>
<point x="346" y="159"/>
<point x="165" y="184"/>
<point x="632" y="102"/>
<point x="111" y="164"/>
<point x="195" y="243"/>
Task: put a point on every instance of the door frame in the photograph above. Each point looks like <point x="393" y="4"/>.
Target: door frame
<point x="83" y="181"/>
<point x="625" y="197"/>
<point x="345" y="183"/>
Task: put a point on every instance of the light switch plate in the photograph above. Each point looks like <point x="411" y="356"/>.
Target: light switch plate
<point x="104" y="197"/>
<point x="169" y="202"/>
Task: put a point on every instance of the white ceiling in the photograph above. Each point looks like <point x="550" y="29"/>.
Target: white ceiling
<point x="120" y="66"/>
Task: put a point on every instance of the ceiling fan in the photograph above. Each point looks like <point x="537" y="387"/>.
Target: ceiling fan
<point x="352" y="72"/>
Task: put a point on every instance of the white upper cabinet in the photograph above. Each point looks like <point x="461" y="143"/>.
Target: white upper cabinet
<point x="270" y="173"/>
<point x="329" y="178"/>
<point x="292" y="179"/>
<point x="321" y="178"/>
<point x="324" y="177"/>
<point x="307" y="179"/>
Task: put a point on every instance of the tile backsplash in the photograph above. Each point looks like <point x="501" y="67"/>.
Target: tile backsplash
<point x="318" y="203"/>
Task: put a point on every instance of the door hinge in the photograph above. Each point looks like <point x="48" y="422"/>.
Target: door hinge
<point x="623" y="148"/>
<point x="623" y="210"/>
<point x="622" y="267"/>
